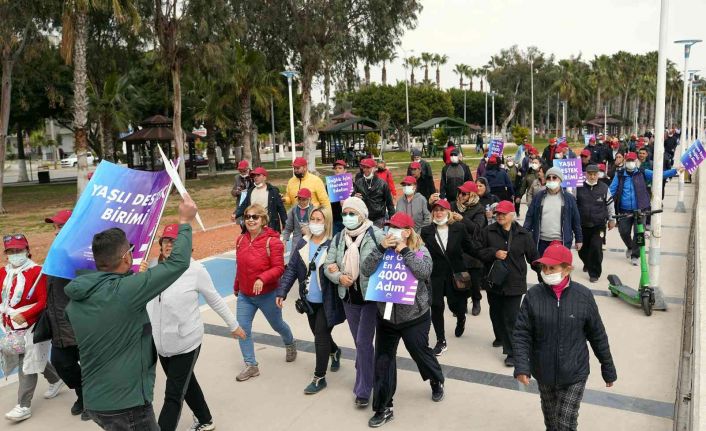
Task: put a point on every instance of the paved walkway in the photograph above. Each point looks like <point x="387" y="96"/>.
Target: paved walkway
<point x="480" y="392"/>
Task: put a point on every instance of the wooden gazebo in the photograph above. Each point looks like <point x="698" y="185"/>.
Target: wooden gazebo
<point x="452" y="127"/>
<point x="141" y="145"/>
<point x="597" y="125"/>
<point x="343" y="135"/>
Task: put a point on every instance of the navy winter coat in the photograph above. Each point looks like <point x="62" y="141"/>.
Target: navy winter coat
<point x="570" y="218"/>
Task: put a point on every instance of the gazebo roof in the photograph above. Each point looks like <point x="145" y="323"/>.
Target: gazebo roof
<point x="156" y="128"/>
<point x="347" y="115"/>
<point x="352" y="125"/>
<point x="449" y="122"/>
<point x="600" y="121"/>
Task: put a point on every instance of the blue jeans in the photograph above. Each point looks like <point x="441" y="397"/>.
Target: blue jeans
<point x="245" y="310"/>
<point x="139" y="418"/>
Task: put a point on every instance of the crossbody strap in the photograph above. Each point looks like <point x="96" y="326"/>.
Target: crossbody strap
<point x="443" y="250"/>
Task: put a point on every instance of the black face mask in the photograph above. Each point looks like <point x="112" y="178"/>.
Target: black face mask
<point x="381" y="169"/>
<point x="300" y="176"/>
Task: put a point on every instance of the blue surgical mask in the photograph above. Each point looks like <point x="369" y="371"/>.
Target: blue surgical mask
<point x="351" y="222"/>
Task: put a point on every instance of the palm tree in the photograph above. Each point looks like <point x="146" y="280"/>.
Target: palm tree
<point x="412" y="62"/>
<point x="460" y="70"/>
<point x="470" y="73"/>
<point x="427" y="57"/>
<point x="387" y="55"/>
<point x="439" y="60"/>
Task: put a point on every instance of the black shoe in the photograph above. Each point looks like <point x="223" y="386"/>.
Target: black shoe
<point x="440" y="347"/>
<point x="336" y="361"/>
<point x="460" y="326"/>
<point x="361" y="402"/>
<point x="497" y="343"/>
<point x="593" y="279"/>
<point x="476" y="308"/>
<point x="509" y="361"/>
<point x="585" y="269"/>
<point x="85" y="417"/>
<point x="380" y="418"/>
<point x="77" y="408"/>
<point x="437" y="391"/>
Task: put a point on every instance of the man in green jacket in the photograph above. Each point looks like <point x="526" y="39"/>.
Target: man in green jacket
<point x="108" y="315"/>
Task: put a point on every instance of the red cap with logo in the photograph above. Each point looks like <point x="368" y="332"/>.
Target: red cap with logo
<point x="259" y="171"/>
<point x="631" y="156"/>
<point x="556" y="254"/>
<point x="601" y="167"/>
<point x="243" y="165"/>
<point x="401" y="220"/>
<point x="592" y="139"/>
<point x="299" y="162"/>
<point x="552" y="140"/>
<point x="59" y="218"/>
<point x="16" y="240"/>
<point x="340" y="162"/>
<point x="443" y="203"/>
<point x="493" y="160"/>
<point x="586" y="153"/>
<point x="468" y="187"/>
<point x="504" y="207"/>
<point x="415" y="165"/>
<point x="171" y="231"/>
<point x="563" y="146"/>
<point x="409" y="180"/>
<point x="368" y="163"/>
<point x="304" y="193"/>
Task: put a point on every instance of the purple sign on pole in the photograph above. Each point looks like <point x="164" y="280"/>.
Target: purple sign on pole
<point x="339" y="187"/>
<point x="572" y="170"/>
<point x="114" y="197"/>
<point x="496" y="148"/>
<point x="392" y="281"/>
<point x="587" y="138"/>
<point x="692" y="157"/>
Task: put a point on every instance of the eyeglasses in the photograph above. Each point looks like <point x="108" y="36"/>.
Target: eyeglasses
<point x="129" y="250"/>
<point x="349" y="214"/>
<point x="251" y="217"/>
<point x="7" y="238"/>
<point x="552" y="177"/>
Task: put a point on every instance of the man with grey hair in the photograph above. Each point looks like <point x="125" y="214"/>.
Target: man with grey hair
<point x="553" y="215"/>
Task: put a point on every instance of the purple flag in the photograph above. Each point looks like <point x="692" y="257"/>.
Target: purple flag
<point x="392" y="281"/>
<point x="114" y="197"/>
<point x="572" y="170"/>
<point x="692" y="157"/>
<point x="496" y="148"/>
<point x="339" y="187"/>
<point x="561" y="140"/>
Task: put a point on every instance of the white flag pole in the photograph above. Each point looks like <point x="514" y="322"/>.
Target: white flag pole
<point x="174" y="175"/>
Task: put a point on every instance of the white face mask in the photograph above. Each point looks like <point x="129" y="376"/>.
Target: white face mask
<point x="261" y="185"/>
<point x="18" y="259"/>
<point x="369" y="177"/>
<point x="396" y="233"/>
<point x="454" y="159"/>
<point x="443" y="221"/>
<point x="350" y="221"/>
<point x="510" y="164"/>
<point x="631" y="165"/>
<point x="553" y="185"/>
<point x="591" y="183"/>
<point x="535" y="166"/>
<point x="558" y="156"/>
<point x="408" y="190"/>
<point x="244" y="175"/>
<point x="316" y="228"/>
<point x="552" y="279"/>
<point x="601" y="175"/>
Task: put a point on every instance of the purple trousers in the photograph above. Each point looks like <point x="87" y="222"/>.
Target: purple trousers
<point x="362" y="319"/>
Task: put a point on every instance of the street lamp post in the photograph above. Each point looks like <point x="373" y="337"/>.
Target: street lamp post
<point x="563" y="118"/>
<point x="486" y="104"/>
<point x="272" y="121"/>
<point x="492" y="132"/>
<point x="290" y="74"/>
<point x="682" y="142"/>
<point x="532" y="95"/>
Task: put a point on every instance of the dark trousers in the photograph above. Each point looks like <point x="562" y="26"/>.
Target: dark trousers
<point x="560" y="405"/>
<point x="503" y="313"/>
<point x="591" y="252"/>
<point x="181" y="386"/>
<point x="66" y="363"/>
<point x="627" y="227"/>
<point x="139" y="418"/>
<point x="476" y="281"/>
<point x="457" y="305"/>
<point x="323" y="342"/>
<point x="416" y="340"/>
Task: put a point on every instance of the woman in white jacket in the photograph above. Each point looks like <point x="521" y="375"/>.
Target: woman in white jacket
<point x="177" y="330"/>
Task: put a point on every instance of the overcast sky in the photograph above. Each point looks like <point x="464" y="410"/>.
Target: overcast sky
<point x="470" y="31"/>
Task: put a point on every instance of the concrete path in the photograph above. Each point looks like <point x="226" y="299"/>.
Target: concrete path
<point x="480" y="392"/>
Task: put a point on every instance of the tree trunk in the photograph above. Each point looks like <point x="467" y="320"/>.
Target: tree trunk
<point x="7" y="64"/>
<point x="384" y="74"/>
<point x="513" y="105"/>
<point x="460" y="83"/>
<point x="426" y="73"/>
<point x="21" y="163"/>
<point x="438" y="79"/>
<point x="255" y="146"/>
<point x="366" y="70"/>
<point x="108" y="144"/>
<point x="245" y="126"/>
<point x="309" y="130"/>
<point x="411" y="78"/>
<point x="178" y="133"/>
<point x="327" y="96"/>
<point x="211" y="149"/>
<point x="598" y="99"/>
<point x="80" y="99"/>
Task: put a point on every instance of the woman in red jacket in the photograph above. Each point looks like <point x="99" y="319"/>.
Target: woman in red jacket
<point x="24" y="295"/>
<point x="260" y="264"/>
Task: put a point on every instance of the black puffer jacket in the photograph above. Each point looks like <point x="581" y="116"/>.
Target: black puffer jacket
<point x="474" y="220"/>
<point x="62" y="332"/>
<point x="376" y="195"/>
<point x="549" y="341"/>
<point x="522" y="251"/>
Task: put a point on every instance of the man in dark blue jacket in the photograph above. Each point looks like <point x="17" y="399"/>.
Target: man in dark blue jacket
<point x="498" y="180"/>
<point x="553" y="215"/>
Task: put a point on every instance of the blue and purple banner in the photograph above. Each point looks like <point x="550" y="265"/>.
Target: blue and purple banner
<point x="392" y="281"/>
<point x="693" y="156"/>
<point x="114" y="197"/>
<point x="587" y="138"/>
<point x="339" y="187"/>
<point x="496" y="148"/>
<point x="561" y="140"/>
<point x="572" y="170"/>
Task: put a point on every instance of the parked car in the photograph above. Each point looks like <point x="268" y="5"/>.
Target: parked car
<point x="199" y="162"/>
<point x="72" y="160"/>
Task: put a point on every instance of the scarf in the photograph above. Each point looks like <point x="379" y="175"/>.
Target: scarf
<point x="351" y="258"/>
<point x="472" y="200"/>
<point x="559" y="288"/>
<point x="14" y="274"/>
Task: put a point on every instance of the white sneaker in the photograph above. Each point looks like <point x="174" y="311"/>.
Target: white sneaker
<point x="53" y="390"/>
<point x="18" y="414"/>
<point x="197" y="426"/>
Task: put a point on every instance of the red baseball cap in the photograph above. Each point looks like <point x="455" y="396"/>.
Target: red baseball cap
<point x="563" y="146"/>
<point x="556" y="254"/>
<point x="340" y="162"/>
<point x="299" y="162"/>
<point x="59" y="218"/>
<point x="586" y="153"/>
<point x="304" y="193"/>
<point x="639" y="145"/>
<point x="259" y="171"/>
<point x="243" y="165"/>
<point x="443" y="203"/>
<point x="552" y="140"/>
<point x="615" y="144"/>
<point x="505" y="207"/>
<point x="468" y="187"/>
<point x="408" y="180"/>
<point x="631" y="156"/>
<point x="400" y="220"/>
<point x="368" y="163"/>
<point x="493" y="160"/>
<point x="601" y="167"/>
<point x="415" y="165"/>
<point x="592" y="139"/>
<point x="16" y="240"/>
<point x="171" y="231"/>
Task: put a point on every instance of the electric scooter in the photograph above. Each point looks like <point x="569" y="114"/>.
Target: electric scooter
<point x="644" y="296"/>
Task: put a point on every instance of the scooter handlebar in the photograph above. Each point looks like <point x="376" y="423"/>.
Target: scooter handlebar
<point x="632" y="214"/>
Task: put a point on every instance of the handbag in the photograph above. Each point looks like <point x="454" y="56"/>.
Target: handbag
<point x="498" y="270"/>
<point x="13" y="343"/>
<point x="461" y="280"/>
<point x="42" y="329"/>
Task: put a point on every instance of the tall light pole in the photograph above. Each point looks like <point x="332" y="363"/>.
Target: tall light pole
<point x="563" y="119"/>
<point x="290" y="74"/>
<point x="605" y="121"/>
<point x="406" y="89"/>
<point x="658" y="168"/>
<point x="272" y="121"/>
<point x="532" y="95"/>
<point x="680" y="208"/>
<point x="487" y="84"/>
<point x="492" y="132"/>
